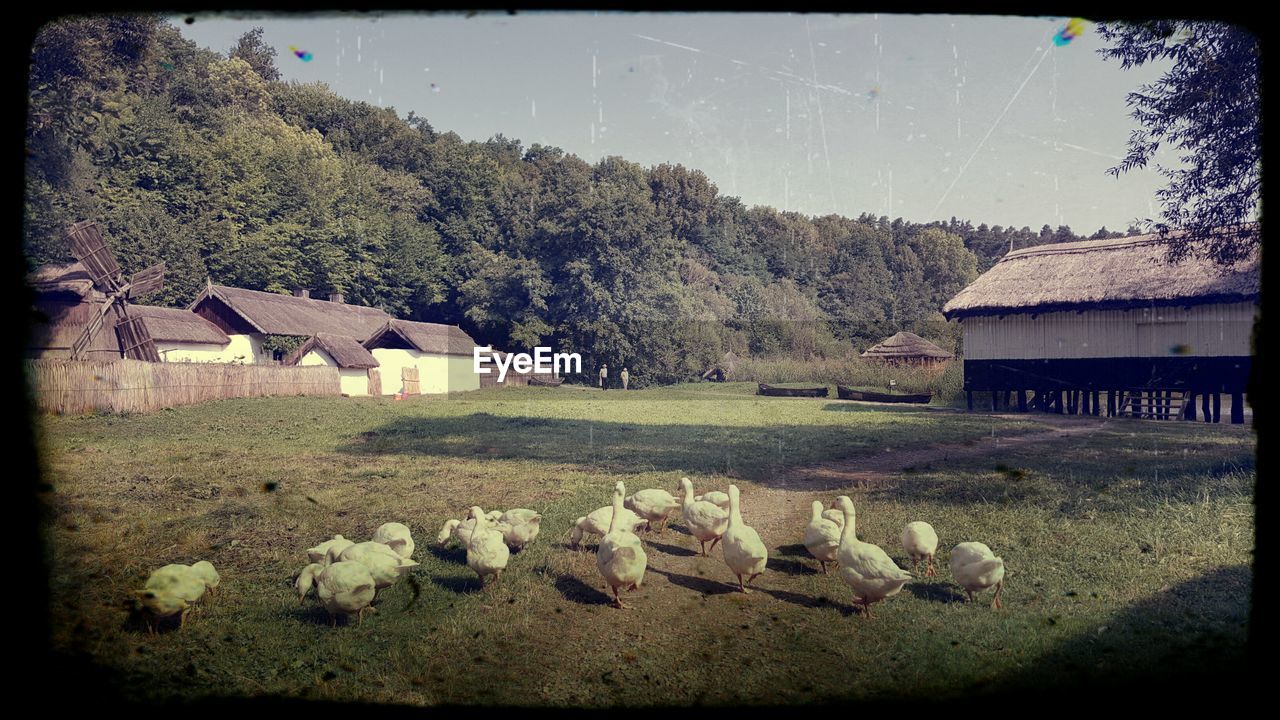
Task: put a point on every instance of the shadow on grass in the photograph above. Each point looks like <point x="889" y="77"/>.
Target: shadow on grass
<point x="1195" y="632"/>
<point x="460" y="584"/>
<point x="310" y="614"/>
<point x="938" y="592"/>
<point x="449" y="554"/>
<point x="673" y="549"/>
<point x="705" y="586"/>
<point x="573" y="589"/>
<point x="792" y="567"/>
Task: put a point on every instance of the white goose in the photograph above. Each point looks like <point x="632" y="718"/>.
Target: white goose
<point x="921" y="542"/>
<point x="395" y="536"/>
<point x="864" y="567"/>
<point x="346" y="588"/>
<point x="447" y="532"/>
<point x="706" y="521"/>
<point x="743" y="551"/>
<point x="329" y="549"/>
<point x="655" y="506"/>
<point x="172" y="590"/>
<point x="715" y="497"/>
<point x="519" y="527"/>
<point x="487" y="553"/>
<point x="620" y="556"/>
<point x="597" y="522"/>
<point x="204" y="570"/>
<point x="307" y="579"/>
<point x="976" y="568"/>
<point x="384" y="564"/>
<point x="822" y="536"/>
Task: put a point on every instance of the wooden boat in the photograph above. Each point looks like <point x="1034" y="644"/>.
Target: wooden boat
<point x="544" y="381"/>
<point x="792" y="392"/>
<point x="867" y="396"/>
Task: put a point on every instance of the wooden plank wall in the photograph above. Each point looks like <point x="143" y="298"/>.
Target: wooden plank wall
<point x="120" y="386"/>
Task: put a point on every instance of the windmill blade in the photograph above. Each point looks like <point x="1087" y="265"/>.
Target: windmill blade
<point x="145" y="282"/>
<point x="88" y="247"/>
<point x="135" y="340"/>
<point x="82" y="343"/>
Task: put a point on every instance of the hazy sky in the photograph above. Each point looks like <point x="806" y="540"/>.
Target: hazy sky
<point x="918" y="116"/>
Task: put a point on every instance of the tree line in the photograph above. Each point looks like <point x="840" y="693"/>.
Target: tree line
<point x="209" y="162"/>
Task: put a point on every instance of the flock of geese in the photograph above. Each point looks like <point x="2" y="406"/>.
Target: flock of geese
<point x="347" y="575"/>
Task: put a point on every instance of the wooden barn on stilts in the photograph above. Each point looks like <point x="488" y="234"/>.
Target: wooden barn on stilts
<point x="1109" y="327"/>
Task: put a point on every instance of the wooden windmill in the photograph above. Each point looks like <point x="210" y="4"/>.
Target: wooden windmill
<point x="87" y="247"/>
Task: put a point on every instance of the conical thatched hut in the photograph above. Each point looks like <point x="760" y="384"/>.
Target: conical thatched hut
<point x="908" y="348"/>
<point x="723" y="370"/>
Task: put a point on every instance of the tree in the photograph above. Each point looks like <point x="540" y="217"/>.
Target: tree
<point x="1207" y="105"/>
<point x="260" y="56"/>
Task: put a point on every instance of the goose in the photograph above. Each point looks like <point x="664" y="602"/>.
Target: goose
<point x="487" y="553"/>
<point x="597" y="523"/>
<point x="447" y="532"/>
<point x="706" y="521"/>
<point x="493" y="515"/>
<point x="834" y="516"/>
<point x="715" y="497"/>
<point x="620" y="556"/>
<point x="743" y="551"/>
<point x="395" y="536"/>
<point x="921" y="542"/>
<point x="171" y="590"/>
<point x="652" y="505"/>
<point x="346" y="588"/>
<point x="519" y="527"/>
<point x="822" y="536"/>
<point x="307" y="579"/>
<point x="976" y="568"/>
<point x="204" y="570"/>
<point x="384" y="564"/>
<point x="865" y="567"/>
<point x="319" y="553"/>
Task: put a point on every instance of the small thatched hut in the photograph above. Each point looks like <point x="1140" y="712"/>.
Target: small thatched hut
<point x="440" y="357"/>
<point x="723" y="370"/>
<point x="1071" y="320"/>
<point x="357" y="368"/>
<point x="247" y="316"/>
<point x="907" y="348"/>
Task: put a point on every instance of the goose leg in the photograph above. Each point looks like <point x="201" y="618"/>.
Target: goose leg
<point x="824" y="566"/>
<point x="930" y="570"/>
<point x="704" y="547"/>
<point x="742" y="587"/>
<point x="713" y="544"/>
<point x="995" y="603"/>
<point x="182" y="621"/>
<point x="618" y="600"/>
<point x="970" y="594"/>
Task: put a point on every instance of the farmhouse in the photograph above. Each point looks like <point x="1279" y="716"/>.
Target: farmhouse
<point x="357" y="369"/>
<point x="907" y="348"/>
<point x="423" y="357"/>
<point x="248" y="316"/>
<point x="1070" y="321"/>
<point x="66" y="301"/>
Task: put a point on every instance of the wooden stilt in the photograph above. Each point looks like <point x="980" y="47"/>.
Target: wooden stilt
<point x="1022" y="401"/>
<point x="1191" y="406"/>
<point x="969" y="396"/>
<point x="1217" y="407"/>
<point x="993" y="401"/>
<point x="1204" y="408"/>
<point x="1096" y="408"/>
<point x="1111" y="403"/>
<point x="1060" y="395"/>
<point x="1085" y="409"/>
<point x="1237" y="408"/>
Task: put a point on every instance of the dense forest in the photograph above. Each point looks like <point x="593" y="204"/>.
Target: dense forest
<point x="212" y="164"/>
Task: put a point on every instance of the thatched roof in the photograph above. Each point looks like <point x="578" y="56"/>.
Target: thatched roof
<point x="61" y="278"/>
<point x="277" y="314"/>
<point x="345" y="351"/>
<point x="1095" y="274"/>
<point x="906" y="345"/>
<point x="424" y="337"/>
<point x="178" y="325"/>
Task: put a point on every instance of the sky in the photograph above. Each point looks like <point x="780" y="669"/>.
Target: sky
<point x="923" y="117"/>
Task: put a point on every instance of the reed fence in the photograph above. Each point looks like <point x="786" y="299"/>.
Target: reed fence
<point x="72" y="387"/>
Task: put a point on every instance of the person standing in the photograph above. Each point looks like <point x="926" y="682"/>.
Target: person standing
<point x="604" y="375"/>
<point x="626" y="376"/>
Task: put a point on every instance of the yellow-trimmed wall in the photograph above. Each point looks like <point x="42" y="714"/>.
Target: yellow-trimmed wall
<point x="352" y="381"/>
<point x="247" y="348"/>
<point x="436" y="373"/>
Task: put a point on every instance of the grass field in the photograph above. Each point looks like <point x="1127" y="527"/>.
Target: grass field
<point x="1128" y="546"/>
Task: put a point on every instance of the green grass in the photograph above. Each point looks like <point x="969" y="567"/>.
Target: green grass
<point x="1128" y="548"/>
